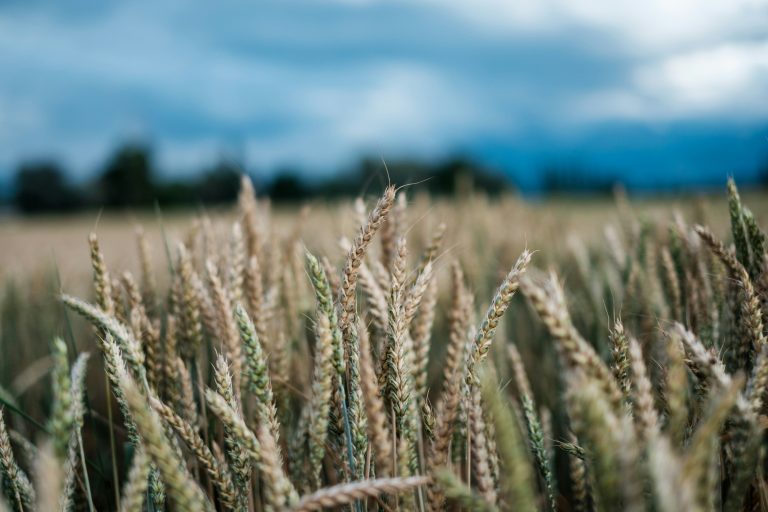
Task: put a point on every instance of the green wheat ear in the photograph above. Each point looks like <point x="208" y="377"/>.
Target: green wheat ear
<point x="738" y="230"/>
<point x="62" y="420"/>
<point x="328" y="344"/>
<point x="256" y="379"/>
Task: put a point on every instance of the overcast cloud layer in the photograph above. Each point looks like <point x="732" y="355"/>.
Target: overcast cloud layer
<point x="679" y="88"/>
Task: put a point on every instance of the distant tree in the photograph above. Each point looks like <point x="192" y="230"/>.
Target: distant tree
<point x="574" y="179"/>
<point x="762" y="174"/>
<point x="175" y="193"/>
<point x="41" y="187"/>
<point x="455" y="175"/>
<point x="452" y="176"/>
<point x="220" y="184"/>
<point x="459" y="175"/>
<point x="287" y="186"/>
<point x="402" y="171"/>
<point x="127" y="179"/>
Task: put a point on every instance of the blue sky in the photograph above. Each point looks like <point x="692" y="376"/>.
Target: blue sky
<point x="659" y="92"/>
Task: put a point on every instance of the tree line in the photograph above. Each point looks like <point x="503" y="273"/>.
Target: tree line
<point x="130" y="179"/>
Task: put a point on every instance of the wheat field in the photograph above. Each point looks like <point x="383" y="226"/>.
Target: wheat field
<point x="394" y="353"/>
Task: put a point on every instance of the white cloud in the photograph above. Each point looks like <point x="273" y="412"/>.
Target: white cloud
<point x="649" y="26"/>
<point x="725" y="81"/>
<point x="145" y="63"/>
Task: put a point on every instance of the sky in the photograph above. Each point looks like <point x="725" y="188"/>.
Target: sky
<point x="660" y="93"/>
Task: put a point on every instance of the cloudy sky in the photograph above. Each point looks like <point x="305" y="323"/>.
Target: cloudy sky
<point x="659" y="91"/>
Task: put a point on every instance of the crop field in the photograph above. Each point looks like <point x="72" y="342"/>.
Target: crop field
<point x="396" y="352"/>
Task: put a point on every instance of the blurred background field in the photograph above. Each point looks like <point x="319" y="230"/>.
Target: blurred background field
<point x="37" y="243"/>
<point x="45" y="254"/>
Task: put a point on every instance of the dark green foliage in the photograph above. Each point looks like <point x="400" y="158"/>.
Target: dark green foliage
<point x="42" y="186"/>
<point x="288" y="186"/>
<point x="127" y="178"/>
<point x="130" y="179"/>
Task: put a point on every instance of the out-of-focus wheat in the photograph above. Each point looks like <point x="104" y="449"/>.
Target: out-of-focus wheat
<point x="261" y="378"/>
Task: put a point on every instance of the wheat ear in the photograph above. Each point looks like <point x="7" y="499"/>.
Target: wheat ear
<point x="49" y="477"/>
<point x="499" y="305"/>
<point x="343" y="494"/>
<point x="256" y="376"/>
<point x="269" y="464"/>
<point x="328" y="343"/>
<point x="517" y="488"/>
<point x="574" y="349"/>
<point x="646" y="417"/>
<point x="183" y="490"/>
<point x="17" y="488"/>
<point x="220" y="475"/>
<point x="378" y="428"/>
<point x="226" y="323"/>
<point x="135" y="488"/>
<point x="238" y="457"/>
<point x="460" y="493"/>
<point x="189" y="308"/>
